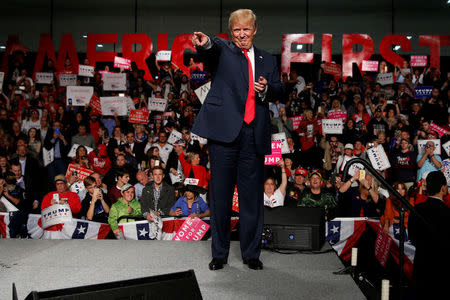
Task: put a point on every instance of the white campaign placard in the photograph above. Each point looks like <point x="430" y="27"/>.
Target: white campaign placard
<point x="384" y="79"/>
<point x="421" y="146"/>
<point x="191" y="181"/>
<point x="202" y="91"/>
<point x="56" y="214"/>
<point x="110" y="105"/>
<point x="114" y="81"/>
<point x="332" y="126"/>
<point x="378" y="158"/>
<point x="281" y="137"/>
<point x="157" y="104"/>
<point x="79" y="95"/>
<point x="2" y="78"/>
<point x="44" y="78"/>
<point x="355" y="167"/>
<point x="446" y="147"/>
<point x="48" y="156"/>
<point x="446" y="170"/>
<point x="73" y="150"/>
<point x="174" y="136"/>
<point x="164" y="55"/>
<point x="198" y="138"/>
<point x="84" y="70"/>
<point x="67" y="79"/>
<point x="8" y="205"/>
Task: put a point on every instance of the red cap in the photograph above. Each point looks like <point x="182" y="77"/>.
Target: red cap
<point x="102" y="150"/>
<point x="301" y="171"/>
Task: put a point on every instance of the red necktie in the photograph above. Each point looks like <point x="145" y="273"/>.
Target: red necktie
<point x="250" y="103"/>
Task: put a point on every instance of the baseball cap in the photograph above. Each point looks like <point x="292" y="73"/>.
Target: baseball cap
<point x="348" y="146"/>
<point x="126" y="187"/>
<point x="60" y="177"/>
<point x="301" y="171"/>
<point x="315" y="172"/>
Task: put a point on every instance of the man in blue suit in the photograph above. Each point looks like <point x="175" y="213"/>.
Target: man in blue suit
<point x="235" y="119"/>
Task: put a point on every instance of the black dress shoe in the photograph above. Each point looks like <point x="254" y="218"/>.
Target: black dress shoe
<point x="254" y="264"/>
<point x="217" y="264"/>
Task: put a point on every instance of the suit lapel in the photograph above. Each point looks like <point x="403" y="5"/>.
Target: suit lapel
<point x="259" y="63"/>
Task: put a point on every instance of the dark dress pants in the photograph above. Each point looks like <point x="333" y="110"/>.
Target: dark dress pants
<point x="237" y="163"/>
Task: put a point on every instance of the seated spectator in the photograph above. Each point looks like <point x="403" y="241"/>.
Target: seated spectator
<point x="392" y="210"/>
<point x="95" y="206"/>
<point x="157" y="196"/>
<point x="83" y="137"/>
<point x="295" y="191"/>
<point x="316" y="196"/>
<point x="64" y="197"/>
<point x="126" y="205"/>
<point x="274" y="196"/>
<point x="428" y="161"/>
<point x="191" y="204"/>
<point x="362" y="201"/>
<point x="115" y="192"/>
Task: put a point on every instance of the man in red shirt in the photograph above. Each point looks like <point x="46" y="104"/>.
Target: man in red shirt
<point x="65" y="196"/>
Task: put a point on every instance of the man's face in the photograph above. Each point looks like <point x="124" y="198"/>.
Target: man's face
<point x="243" y="33"/>
<point x="130" y="138"/>
<point x="142" y="178"/>
<point x="98" y="179"/>
<point x="17" y="170"/>
<point x="435" y="93"/>
<point x="61" y="186"/>
<point x="186" y="135"/>
<point x="21" y="151"/>
<point x="299" y="180"/>
<point x="120" y="162"/>
<point x="158" y="176"/>
<point x="333" y="141"/>
<point x="404" y="144"/>
<point x="3" y="114"/>
<point x="82" y="130"/>
<point x="316" y="181"/>
<point x="162" y="137"/>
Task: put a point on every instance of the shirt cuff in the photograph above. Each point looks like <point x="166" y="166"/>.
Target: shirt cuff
<point x="207" y="46"/>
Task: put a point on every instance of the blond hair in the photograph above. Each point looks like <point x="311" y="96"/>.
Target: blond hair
<point x="242" y="15"/>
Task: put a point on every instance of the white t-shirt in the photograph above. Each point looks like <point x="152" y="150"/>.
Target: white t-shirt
<point x="277" y="199"/>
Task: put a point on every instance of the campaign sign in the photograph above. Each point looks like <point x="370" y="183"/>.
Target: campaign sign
<point x="104" y="72"/>
<point x="114" y="81"/>
<point x="421" y="146"/>
<point x="79" y="95"/>
<point x="56" y="214"/>
<point x="2" y="78"/>
<point x="446" y="147"/>
<point x="441" y="131"/>
<point x="191" y="230"/>
<point x="80" y="172"/>
<point x="157" y="104"/>
<point x="369" y="66"/>
<point x="138" y="116"/>
<point x="235" y="206"/>
<point x="174" y="137"/>
<point x="198" y="138"/>
<point x="111" y="105"/>
<point x="273" y="202"/>
<point x="67" y="79"/>
<point x="338" y="114"/>
<point x="87" y="71"/>
<point x="446" y="170"/>
<point x="198" y="76"/>
<point x="378" y="158"/>
<point x="73" y="150"/>
<point x="202" y="91"/>
<point x="296" y="121"/>
<point x="418" y="60"/>
<point x="48" y="156"/>
<point x="120" y="62"/>
<point x="384" y="79"/>
<point x="191" y="181"/>
<point x="275" y="157"/>
<point x="95" y="104"/>
<point x="164" y="55"/>
<point x="44" y="78"/>
<point x="383" y="245"/>
<point x="332" y="68"/>
<point x="281" y="137"/>
<point x="423" y="92"/>
<point x="332" y="126"/>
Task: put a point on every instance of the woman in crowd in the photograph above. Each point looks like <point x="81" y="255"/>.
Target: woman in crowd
<point x="274" y="196"/>
<point x="191" y="166"/>
<point x="34" y="143"/>
<point x="191" y="204"/>
<point x="392" y="210"/>
<point x="4" y="167"/>
<point x="127" y="205"/>
<point x="361" y="114"/>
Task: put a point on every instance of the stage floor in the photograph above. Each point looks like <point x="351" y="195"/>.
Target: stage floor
<point x="54" y="264"/>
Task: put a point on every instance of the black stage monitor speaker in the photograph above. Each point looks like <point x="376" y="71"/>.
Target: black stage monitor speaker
<point x="181" y="285"/>
<point x="294" y="228"/>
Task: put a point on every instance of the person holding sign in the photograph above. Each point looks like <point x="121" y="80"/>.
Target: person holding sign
<point x="275" y="197"/>
<point x="235" y="119"/>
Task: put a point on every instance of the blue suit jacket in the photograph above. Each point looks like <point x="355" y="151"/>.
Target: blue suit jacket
<point x="222" y="114"/>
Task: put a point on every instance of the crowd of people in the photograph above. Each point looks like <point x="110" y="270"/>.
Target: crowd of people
<point x="136" y="173"/>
